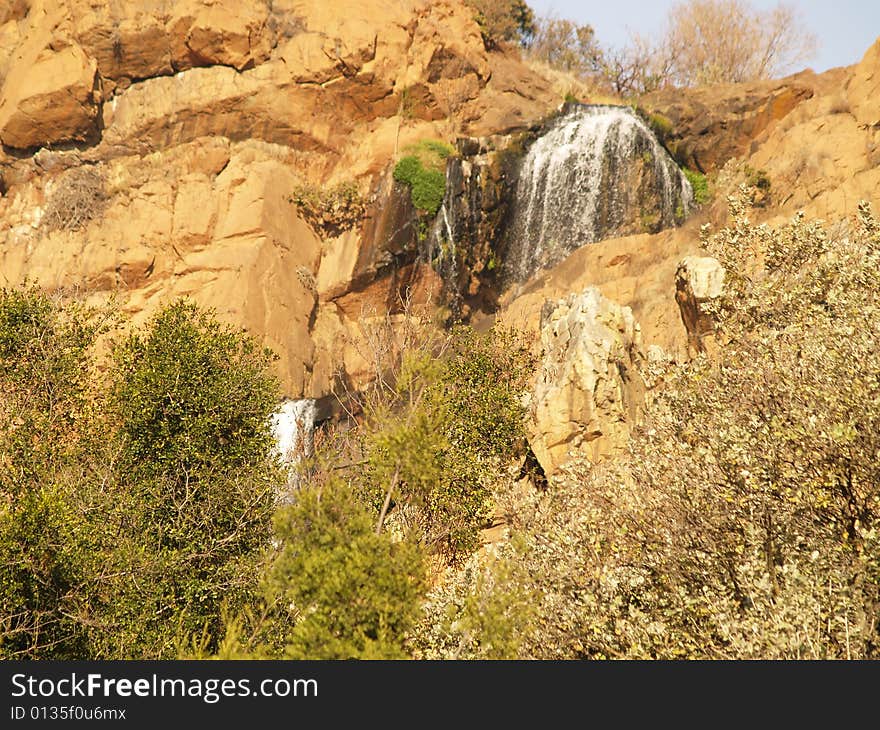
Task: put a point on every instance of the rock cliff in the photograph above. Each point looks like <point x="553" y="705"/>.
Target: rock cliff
<point x="242" y="155"/>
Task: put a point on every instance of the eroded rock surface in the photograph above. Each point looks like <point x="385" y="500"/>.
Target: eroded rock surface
<point x="588" y="392"/>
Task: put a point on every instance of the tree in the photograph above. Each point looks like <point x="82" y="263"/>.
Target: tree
<point x="194" y="484"/>
<point x="504" y="20"/>
<point x="565" y="45"/>
<point x="355" y="592"/>
<point x="435" y="443"/>
<point x="48" y="431"/>
<point x="705" y="42"/>
<point x="746" y="521"/>
<point x="729" y="41"/>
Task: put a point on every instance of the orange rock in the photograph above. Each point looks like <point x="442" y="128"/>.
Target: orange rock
<point x="55" y="99"/>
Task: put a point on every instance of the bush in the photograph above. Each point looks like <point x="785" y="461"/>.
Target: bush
<point x="78" y="196"/>
<point x="132" y="512"/>
<point x="354" y="592"/>
<point x="482" y="610"/>
<point x="434" y="443"/>
<point x="503" y="20"/>
<point x="423" y="171"/>
<point x="427" y="187"/>
<point x="196" y="483"/>
<point x="330" y="210"/>
<point x="46" y="434"/>
<point x="192" y="394"/>
<point x="699" y="185"/>
<point x="744" y="524"/>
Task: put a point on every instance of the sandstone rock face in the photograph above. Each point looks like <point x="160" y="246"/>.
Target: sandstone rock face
<point x="213" y="113"/>
<point x="134" y="41"/>
<point x="705" y="127"/>
<point x="637" y="272"/>
<point x="196" y="120"/>
<point x="588" y="391"/>
<point x="824" y="157"/>
<point x="698" y="280"/>
<point x="209" y="221"/>
<point x="54" y="99"/>
<point x="864" y="89"/>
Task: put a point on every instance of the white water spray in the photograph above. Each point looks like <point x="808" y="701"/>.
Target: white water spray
<point x="573" y="187"/>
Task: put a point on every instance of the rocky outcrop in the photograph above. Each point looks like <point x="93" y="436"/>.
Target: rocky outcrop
<point x="152" y="150"/>
<point x="588" y="391"/>
<point x="206" y="220"/>
<point x="863" y="89"/>
<point x="824" y="157"/>
<point x="54" y="98"/>
<point x="698" y="280"/>
<point x="196" y="122"/>
<point x="705" y="127"/>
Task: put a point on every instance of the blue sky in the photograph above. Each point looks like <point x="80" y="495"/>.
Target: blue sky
<point x="845" y="28"/>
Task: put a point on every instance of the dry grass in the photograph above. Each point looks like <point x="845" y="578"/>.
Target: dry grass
<point x="568" y="85"/>
<point x="77" y="197"/>
<point x="839" y="104"/>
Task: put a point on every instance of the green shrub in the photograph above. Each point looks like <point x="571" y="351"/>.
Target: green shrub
<point x="46" y="435"/>
<point x="191" y="393"/>
<point x="355" y="593"/>
<point x="699" y="184"/>
<point x="133" y="506"/>
<point x="196" y="481"/>
<point x="437" y="444"/>
<point x="423" y="171"/>
<point x="427" y="187"/>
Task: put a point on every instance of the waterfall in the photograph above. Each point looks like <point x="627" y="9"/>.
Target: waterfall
<point x="441" y="244"/>
<point x="293" y="426"/>
<point x="597" y="172"/>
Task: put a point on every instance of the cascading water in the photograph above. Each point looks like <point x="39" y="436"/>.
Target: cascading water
<point x="596" y="173"/>
<point x="293" y="426"/>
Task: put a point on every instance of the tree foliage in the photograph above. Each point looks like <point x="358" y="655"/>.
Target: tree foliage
<point x="133" y="505"/>
<point x="435" y="442"/>
<point x="503" y="20"/>
<point x="745" y="522"/>
<point x="704" y="42"/>
<point x="729" y="41"/>
<point x="565" y="45"/>
<point x="355" y="592"/>
<point x="45" y="429"/>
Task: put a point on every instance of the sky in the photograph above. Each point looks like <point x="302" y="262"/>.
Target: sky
<point x="845" y="28"/>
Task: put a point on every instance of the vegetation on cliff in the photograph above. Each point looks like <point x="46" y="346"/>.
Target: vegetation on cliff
<point x="704" y="42"/>
<point x="137" y="498"/>
<point x="744" y="521"/>
<point x="423" y="171"/>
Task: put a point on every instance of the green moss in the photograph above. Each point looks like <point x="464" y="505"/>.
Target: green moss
<point x="699" y="184"/>
<point x="423" y="171"/>
<point x="436" y="147"/>
<point x="661" y="125"/>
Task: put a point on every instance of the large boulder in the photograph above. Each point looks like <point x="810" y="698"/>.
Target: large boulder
<point x="56" y="98"/>
<point x="588" y="392"/>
